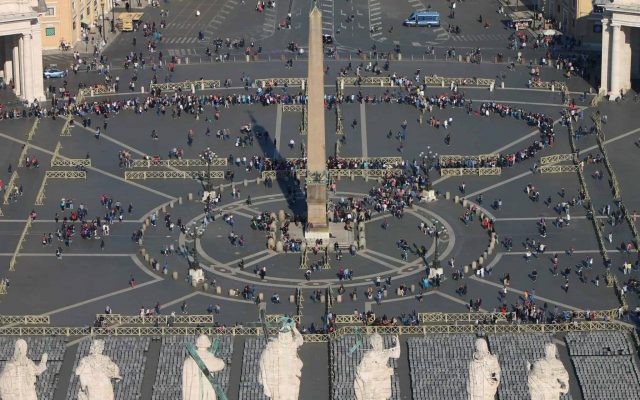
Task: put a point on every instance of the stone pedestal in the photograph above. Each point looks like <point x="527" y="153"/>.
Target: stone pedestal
<point x="197" y="276"/>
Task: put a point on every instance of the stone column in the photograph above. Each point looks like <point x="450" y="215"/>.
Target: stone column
<point x="8" y="54"/>
<point x="604" y="67"/>
<point x="27" y="61"/>
<point x="16" y="66"/>
<point x="36" y="63"/>
<point x="22" y="68"/>
<point x="616" y="59"/>
<point x="625" y="58"/>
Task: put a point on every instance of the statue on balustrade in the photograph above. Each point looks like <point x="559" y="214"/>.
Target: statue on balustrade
<point x="18" y="378"/>
<point x="484" y="373"/>
<point x="548" y="378"/>
<point x="373" y="376"/>
<point x="95" y="373"/>
<point x="280" y="365"/>
<point x="195" y="385"/>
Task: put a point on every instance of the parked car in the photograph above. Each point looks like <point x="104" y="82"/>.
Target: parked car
<point x="54" y="73"/>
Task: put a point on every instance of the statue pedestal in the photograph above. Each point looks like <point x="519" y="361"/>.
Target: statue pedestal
<point x="197" y="275"/>
<point x="428" y="196"/>
<point x="435" y="271"/>
<point x="212" y="195"/>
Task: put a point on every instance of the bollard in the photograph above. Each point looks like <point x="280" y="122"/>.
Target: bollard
<point x="398" y="291"/>
<point x="502" y="85"/>
<point x="447" y="195"/>
<point x="190" y="196"/>
<point x="164" y="209"/>
<point x="180" y="200"/>
<point x="354" y="297"/>
<point x="205" y="286"/>
<point x="484" y="257"/>
<point x="489" y="250"/>
<point x="456" y="199"/>
<point x="362" y="242"/>
<point x="218" y="289"/>
<point x="141" y="89"/>
<point x="172" y="203"/>
<point x="247" y="58"/>
<point x="399" y="56"/>
<point x="232" y="292"/>
<point x="245" y="183"/>
<point x="261" y="296"/>
<point x="143" y="251"/>
<point x="146" y="257"/>
<point x="292" y="299"/>
<point x="193" y="88"/>
<point x="385" y="293"/>
<point x="281" y="215"/>
<point x="553" y="87"/>
<point x="474" y="265"/>
<point x="279" y="246"/>
<point x="271" y="243"/>
<point x="413" y="288"/>
<point x="464" y="202"/>
<point x="174" y="275"/>
<point x="221" y="188"/>
<point x="353" y="178"/>
<point x="481" y="260"/>
<point x="323" y="299"/>
<point x="165" y="271"/>
<point x="466" y="269"/>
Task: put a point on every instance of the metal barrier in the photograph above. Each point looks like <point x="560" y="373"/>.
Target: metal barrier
<point x="70" y="162"/>
<point x="33" y="129"/>
<point x="585" y="190"/>
<point x="96" y="91"/>
<point x="66" y="127"/>
<point x="334" y="173"/>
<point x="179" y="319"/>
<point x="10" y="187"/>
<point x="273" y="318"/>
<point x="14" y="257"/>
<point x="470" y="171"/>
<point x="444" y="81"/>
<point x="186" y="85"/>
<point x="24" y="320"/>
<point x="40" y="197"/>
<point x="449" y="158"/>
<point x="365" y="80"/>
<point x="185" y="162"/>
<point x="553" y="85"/>
<point x="581" y="326"/>
<point x="267" y="82"/>
<point x="292" y="107"/>
<point x="558" y="169"/>
<point x="556" y="158"/>
<point x="133" y="175"/>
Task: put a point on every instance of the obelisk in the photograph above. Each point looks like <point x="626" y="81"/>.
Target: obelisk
<point x="317" y="175"/>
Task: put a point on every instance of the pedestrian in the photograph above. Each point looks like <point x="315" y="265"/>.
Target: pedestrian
<point x="102" y="245"/>
<point x="97" y="134"/>
<point x="183" y="307"/>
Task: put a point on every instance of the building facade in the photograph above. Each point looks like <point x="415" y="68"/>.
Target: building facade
<point x="578" y="19"/>
<point x="70" y="21"/>
<point x="21" y="47"/>
<point x="620" y="46"/>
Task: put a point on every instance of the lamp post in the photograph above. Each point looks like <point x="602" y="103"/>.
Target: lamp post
<point x="208" y="156"/>
<point x="113" y="15"/>
<point x="440" y="231"/>
<point x="194" y="232"/>
<point x="429" y="160"/>
<point x="102" y="26"/>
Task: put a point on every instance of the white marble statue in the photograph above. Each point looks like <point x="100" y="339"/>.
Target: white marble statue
<point x="373" y="376"/>
<point x="548" y="379"/>
<point x="195" y="386"/>
<point x="18" y="378"/>
<point x="280" y="365"/>
<point x="95" y="373"/>
<point x="484" y="373"/>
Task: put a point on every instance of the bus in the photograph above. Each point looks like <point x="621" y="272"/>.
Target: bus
<point x="423" y="18"/>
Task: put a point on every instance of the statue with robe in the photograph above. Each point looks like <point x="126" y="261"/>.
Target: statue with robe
<point x="280" y="365"/>
<point x="484" y="373"/>
<point x="95" y="373"/>
<point x="373" y="375"/>
<point x="548" y="378"/>
<point x="195" y="385"/>
<point x="18" y="378"/>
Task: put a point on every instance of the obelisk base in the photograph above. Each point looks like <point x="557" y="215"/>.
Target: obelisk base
<point x="317" y="223"/>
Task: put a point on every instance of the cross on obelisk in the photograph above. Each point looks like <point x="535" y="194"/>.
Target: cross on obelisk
<point x="317" y="176"/>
